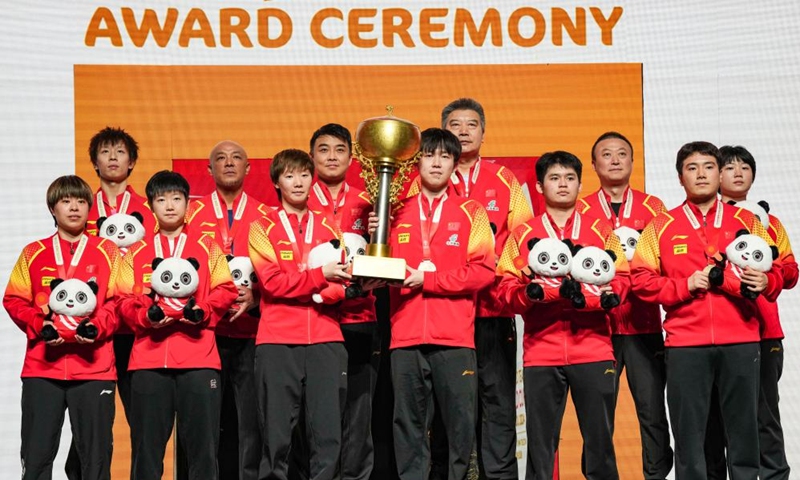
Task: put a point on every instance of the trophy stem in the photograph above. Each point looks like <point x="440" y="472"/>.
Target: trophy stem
<point x="383" y="208"/>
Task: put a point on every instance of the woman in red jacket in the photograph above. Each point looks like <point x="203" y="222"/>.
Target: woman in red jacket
<point x="66" y="367"/>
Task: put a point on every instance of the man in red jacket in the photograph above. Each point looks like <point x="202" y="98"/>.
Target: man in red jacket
<point x="174" y="362"/>
<point x="77" y="375"/>
<point x="635" y="325"/>
<point x="447" y="243"/>
<point x="565" y="348"/>
<point x="225" y="215"/>
<point x="347" y="208"/>
<point x="712" y="332"/>
<point x="300" y="361"/>
<point x="738" y="174"/>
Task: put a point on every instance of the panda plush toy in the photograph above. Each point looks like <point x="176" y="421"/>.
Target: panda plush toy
<point x="628" y="237"/>
<point x="71" y="304"/>
<point x="174" y="282"/>
<point x="549" y="260"/>
<point x="759" y="209"/>
<point x="332" y="251"/>
<point x="122" y="229"/>
<point x="591" y="268"/>
<point x="746" y="250"/>
<point x="244" y="275"/>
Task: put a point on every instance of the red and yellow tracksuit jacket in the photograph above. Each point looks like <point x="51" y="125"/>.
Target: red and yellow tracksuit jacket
<point x="636" y="211"/>
<point x="177" y="345"/>
<point x="497" y="190"/>
<point x="202" y="216"/>
<point x="288" y="314"/>
<point x="442" y="310"/>
<point x="556" y="334"/>
<point x="675" y="245"/>
<point x="768" y="311"/>
<point x="26" y="300"/>
<point x="350" y="213"/>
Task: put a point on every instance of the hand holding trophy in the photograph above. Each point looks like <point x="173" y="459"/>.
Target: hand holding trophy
<point x="384" y="146"/>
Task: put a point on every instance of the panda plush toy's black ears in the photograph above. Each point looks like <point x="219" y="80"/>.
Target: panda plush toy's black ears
<point x="229" y="257"/>
<point x="55" y="282"/>
<point x="764" y="205"/>
<point x="493" y="227"/>
<point x="742" y="231"/>
<point x="573" y="247"/>
<point x="365" y="236"/>
<point x="532" y="242"/>
<point x="612" y="255"/>
<point x="93" y="285"/>
<point x="100" y="221"/>
<point x="155" y="262"/>
<point x="775" y="252"/>
<point x="137" y="216"/>
<point x="194" y="263"/>
<point x="336" y="243"/>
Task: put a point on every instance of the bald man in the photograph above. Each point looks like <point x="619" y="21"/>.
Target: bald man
<point x="225" y="215"/>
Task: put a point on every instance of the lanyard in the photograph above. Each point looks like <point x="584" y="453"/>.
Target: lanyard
<point x="710" y="241"/>
<point x="456" y="180"/>
<point x="287" y="227"/>
<point x="626" y="212"/>
<point x="76" y="258"/>
<point x="176" y="250"/>
<point x="551" y="232"/>
<point x="333" y="208"/>
<point x="222" y="220"/>
<point x="122" y="207"/>
<point x="429" y="224"/>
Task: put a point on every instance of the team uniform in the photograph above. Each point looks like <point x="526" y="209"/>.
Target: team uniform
<point x="773" y="464"/>
<point x="433" y="343"/>
<point x="711" y="336"/>
<point x="496" y="189"/>
<point x="637" y="336"/>
<point x="79" y="377"/>
<point x="175" y="369"/>
<point x="301" y="336"/>
<point x="235" y="340"/>
<point x="349" y="212"/>
<point x="565" y="349"/>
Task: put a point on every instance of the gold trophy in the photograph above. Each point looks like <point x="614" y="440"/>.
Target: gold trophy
<point x="384" y="146"/>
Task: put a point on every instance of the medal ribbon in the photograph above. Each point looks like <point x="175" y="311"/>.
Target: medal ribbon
<point x="456" y="180"/>
<point x="333" y="208"/>
<point x="287" y="227"/>
<point x="76" y="258"/>
<point x="551" y="232"/>
<point x="222" y="220"/>
<point x="708" y="236"/>
<point x="609" y="212"/>
<point x="176" y="252"/>
<point x="429" y="224"/>
<point x="122" y="207"/>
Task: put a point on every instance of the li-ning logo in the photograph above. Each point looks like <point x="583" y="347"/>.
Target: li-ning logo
<point x="358" y="224"/>
<point x="492" y="206"/>
<point x="213" y="383"/>
<point x="106" y="392"/>
<point x="453" y="240"/>
<point x="609" y="371"/>
<point x="467" y="372"/>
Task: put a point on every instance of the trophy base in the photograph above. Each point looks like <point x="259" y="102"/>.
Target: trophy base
<point x="383" y="268"/>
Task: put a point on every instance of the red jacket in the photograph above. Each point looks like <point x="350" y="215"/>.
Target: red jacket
<point x="177" y="345"/>
<point x="26" y="301"/>
<point x="768" y="311"/>
<point x="442" y="311"/>
<point x="349" y="212"/>
<point x="497" y="190"/>
<point x="670" y="250"/>
<point x="636" y="211"/>
<point x="202" y="216"/>
<point x="556" y="334"/>
<point x="288" y="314"/>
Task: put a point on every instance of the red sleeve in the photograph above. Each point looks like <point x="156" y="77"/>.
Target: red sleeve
<point x="222" y="290"/>
<point x="511" y="288"/>
<point x="18" y="299"/>
<point x="646" y="279"/>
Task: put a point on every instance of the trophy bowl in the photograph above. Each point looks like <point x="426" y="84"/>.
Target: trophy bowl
<point x="384" y="146"/>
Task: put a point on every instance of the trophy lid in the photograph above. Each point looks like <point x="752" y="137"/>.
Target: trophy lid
<point x="388" y="138"/>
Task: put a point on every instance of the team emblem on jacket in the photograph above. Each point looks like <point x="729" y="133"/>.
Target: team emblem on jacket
<point x="358" y="225"/>
<point x="492" y="206"/>
<point x="453" y="241"/>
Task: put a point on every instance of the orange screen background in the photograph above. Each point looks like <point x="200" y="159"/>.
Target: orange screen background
<point x="178" y="112"/>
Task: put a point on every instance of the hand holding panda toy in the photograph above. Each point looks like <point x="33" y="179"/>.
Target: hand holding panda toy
<point x="71" y="304"/>
<point x="174" y="282"/>
<point x="746" y="250"/>
<point x="549" y="262"/>
<point x="592" y="268"/>
<point x="122" y="229"/>
<point x="332" y="251"/>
